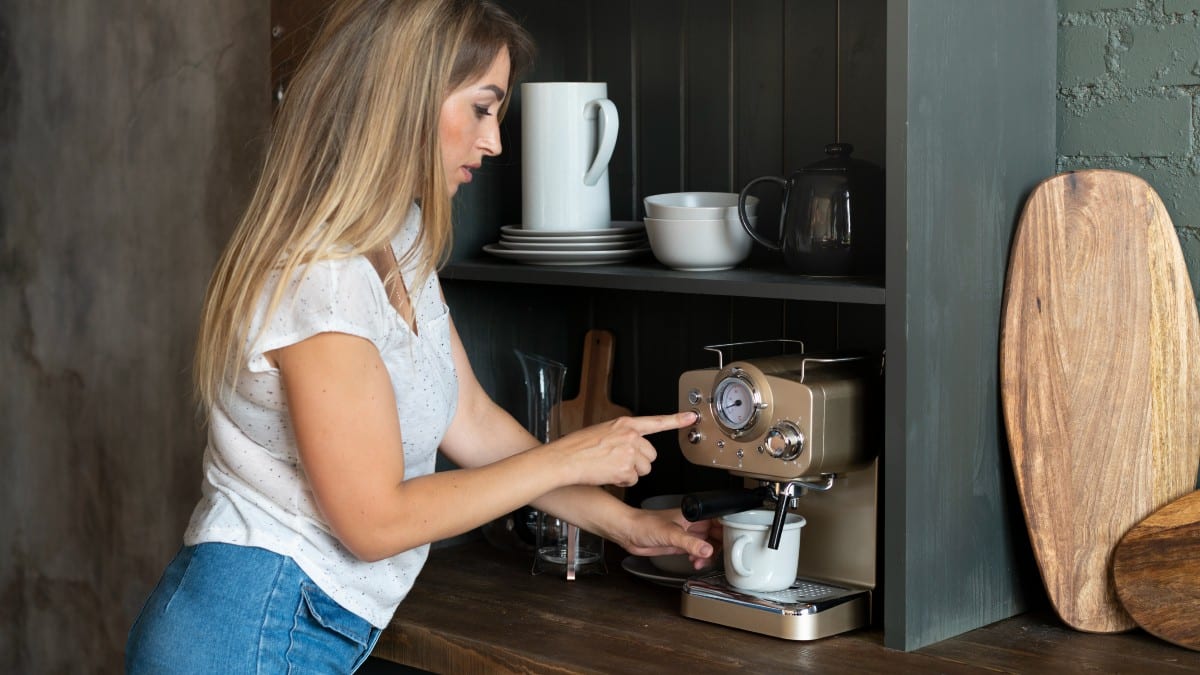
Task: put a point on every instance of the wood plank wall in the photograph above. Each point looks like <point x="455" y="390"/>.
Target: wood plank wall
<point x="711" y="94"/>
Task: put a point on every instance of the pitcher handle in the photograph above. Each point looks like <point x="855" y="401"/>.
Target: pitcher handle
<point x="741" y="206"/>
<point x="609" y="122"/>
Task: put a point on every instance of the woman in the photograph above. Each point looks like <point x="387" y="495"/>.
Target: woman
<point x="332" y="373"/>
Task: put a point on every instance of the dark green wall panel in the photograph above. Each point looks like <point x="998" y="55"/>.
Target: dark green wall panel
<point x="658" y="92"/>
<point x="613" y="61"/>
<point x="971" y="132"/>
<point x="707" y="81"/>
<point x="810" y="87"/>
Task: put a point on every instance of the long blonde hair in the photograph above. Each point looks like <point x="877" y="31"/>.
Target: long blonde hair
<point x="354" y="146"/>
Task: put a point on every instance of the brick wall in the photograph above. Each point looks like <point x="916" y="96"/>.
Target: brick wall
<point x="1129" y="99"/>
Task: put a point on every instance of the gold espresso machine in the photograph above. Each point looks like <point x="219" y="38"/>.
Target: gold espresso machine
<point x="795" y="427"/>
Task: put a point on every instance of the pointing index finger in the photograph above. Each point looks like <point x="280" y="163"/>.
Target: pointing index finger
<point x="651" y="424"/>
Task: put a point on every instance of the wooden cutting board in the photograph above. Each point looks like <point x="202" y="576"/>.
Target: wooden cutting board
<point x="592" y="405"/>
<point x="1100" y="379"/>
<point x="1156" y="569"/>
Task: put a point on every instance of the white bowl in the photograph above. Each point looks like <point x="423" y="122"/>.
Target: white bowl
<point x="697" y="205"/>
<point x="699" y="245"/>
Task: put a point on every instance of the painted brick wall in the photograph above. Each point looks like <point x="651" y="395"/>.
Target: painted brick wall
<point x="1129" y="99"/>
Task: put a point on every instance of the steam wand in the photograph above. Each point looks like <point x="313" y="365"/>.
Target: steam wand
<point x="716" y="503"/>
<point x="785" y="496"/>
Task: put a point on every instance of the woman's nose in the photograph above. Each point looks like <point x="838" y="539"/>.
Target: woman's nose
<point x="489" y="142"/>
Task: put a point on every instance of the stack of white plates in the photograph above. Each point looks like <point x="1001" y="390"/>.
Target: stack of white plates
<point x="621" y="241"/>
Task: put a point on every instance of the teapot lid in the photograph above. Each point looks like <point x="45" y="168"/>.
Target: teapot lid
<point x="839" y="161"/>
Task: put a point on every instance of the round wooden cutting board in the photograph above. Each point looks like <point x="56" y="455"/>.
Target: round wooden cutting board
<point x="1156" y="568"/>
<point x="1100" y="379"/>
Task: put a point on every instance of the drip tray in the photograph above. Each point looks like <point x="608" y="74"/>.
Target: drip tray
<point x="808" y="610"/>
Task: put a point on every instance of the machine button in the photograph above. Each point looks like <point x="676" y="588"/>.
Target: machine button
<point x="785" y="441"/>
<point x="694" y="436"/>
<point x="695" y="397"/>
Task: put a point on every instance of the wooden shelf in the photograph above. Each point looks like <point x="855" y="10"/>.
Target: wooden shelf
<point x="648" y="275"/>
<point x="477" y="608"/>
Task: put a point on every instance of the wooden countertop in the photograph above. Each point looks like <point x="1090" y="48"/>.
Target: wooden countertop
<point x="478" y="609"/>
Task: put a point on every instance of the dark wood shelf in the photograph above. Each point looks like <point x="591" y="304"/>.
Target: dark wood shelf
<point x="477" y="609"/>
<point x="648" y="275"/>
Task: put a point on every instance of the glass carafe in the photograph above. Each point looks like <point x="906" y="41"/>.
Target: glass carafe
<point x="543" y="394"/>
<point x="561" y="547"/>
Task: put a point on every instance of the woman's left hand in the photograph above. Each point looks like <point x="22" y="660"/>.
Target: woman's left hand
<point x="667" y="532"/>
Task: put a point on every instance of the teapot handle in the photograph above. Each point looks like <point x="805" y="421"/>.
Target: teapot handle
<point x="741" y="206"/>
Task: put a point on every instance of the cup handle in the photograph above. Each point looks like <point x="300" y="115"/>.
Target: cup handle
<point x="609" y="123"/>
<point x="737" y="553"/>
<point x="741" y="206"/>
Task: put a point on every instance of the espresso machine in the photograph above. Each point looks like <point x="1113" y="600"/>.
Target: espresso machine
<point x="795" y="427"/>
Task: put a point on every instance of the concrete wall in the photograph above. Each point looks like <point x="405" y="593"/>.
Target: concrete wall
<point x="1129" y="99"/>
<point x="128" y="136"/>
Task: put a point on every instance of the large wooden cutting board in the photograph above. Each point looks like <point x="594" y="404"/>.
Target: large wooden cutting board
<point x="1156" y="569"/>
<point x="1100" y="379"/>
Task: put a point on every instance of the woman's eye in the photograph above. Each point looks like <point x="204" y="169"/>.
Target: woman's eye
<point x="482" y="111"/>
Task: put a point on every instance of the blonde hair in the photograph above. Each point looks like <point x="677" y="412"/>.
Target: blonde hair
<point x="354" y="147"/>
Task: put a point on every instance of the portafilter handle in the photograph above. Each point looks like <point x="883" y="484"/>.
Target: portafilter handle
<point x="717" y="503"/>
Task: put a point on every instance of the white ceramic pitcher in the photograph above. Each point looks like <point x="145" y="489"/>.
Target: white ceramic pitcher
<point x="568" y="132"/>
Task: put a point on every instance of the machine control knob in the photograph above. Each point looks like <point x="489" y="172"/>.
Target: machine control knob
<point x="694" y="436"/>
<point x="785" y="441"/>
<point x="695" y="397"/>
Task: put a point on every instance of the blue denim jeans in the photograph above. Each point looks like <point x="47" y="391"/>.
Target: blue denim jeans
<point x="221" y="608"/>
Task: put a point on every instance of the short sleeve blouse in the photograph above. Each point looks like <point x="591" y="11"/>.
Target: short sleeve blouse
<point x="254" y="490"/>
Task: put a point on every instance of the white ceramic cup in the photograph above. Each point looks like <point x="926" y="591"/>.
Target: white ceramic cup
<point x="568" y="132"/>
<point x="749" y="564"/>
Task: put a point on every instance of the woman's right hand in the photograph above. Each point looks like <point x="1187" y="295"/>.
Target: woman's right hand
<point x="614" y="452"/>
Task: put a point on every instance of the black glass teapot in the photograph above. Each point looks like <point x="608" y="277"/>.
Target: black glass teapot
<point x="831" y="222"/>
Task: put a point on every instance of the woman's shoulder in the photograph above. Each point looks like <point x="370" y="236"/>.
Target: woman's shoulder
<point x="340" y="282"/>
<point x="340" y="295"/>
<point x="329" y="293"/>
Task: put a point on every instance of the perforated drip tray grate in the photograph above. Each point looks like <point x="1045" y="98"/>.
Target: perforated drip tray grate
<point x="803" y="591"/>
<point x="803" y="597"/>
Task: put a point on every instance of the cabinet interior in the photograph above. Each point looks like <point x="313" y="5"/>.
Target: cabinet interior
<point x="954" y="99"/>
<point x="710" y="95"/>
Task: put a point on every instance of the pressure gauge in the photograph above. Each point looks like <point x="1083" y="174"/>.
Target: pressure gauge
<point x="736" y="403"/>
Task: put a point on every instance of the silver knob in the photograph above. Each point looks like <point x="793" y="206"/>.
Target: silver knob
<point x="694" y="436"/>
<point x="785" y="441"/>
